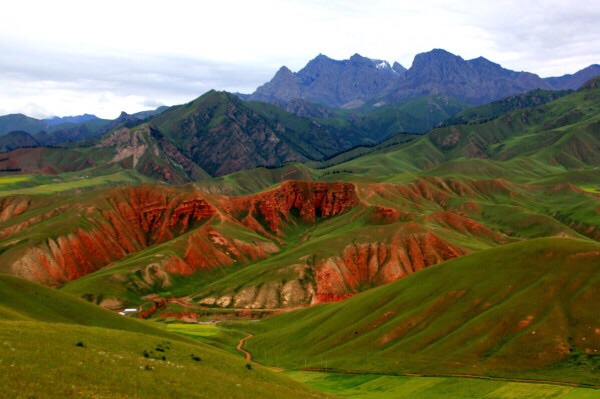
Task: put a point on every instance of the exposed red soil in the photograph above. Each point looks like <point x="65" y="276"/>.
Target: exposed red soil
<point x="126" y="221"/>
<point x="465" y="225"/>
<point x="526" y="322"/>
<point x="157" y="304"/>
<point x="247" y="354"/>
<point x="326" y="297"/>
<point x="385" y="215"/>
<point x="377" y="263"/>
<point x="309" y="200"/>
<point x="13" y="206"/>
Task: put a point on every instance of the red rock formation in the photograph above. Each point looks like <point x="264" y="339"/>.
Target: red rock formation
<point x="373" y="264"/>
<point x="327" y="297"/>
<point x="466" y="225"/>
<point x="385" y="215"/>
<point x="126" y="221"/>
<point x="13" y="206"/>
<point x="307" y="199"/>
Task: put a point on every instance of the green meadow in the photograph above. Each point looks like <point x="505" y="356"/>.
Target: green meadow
<point x="373" y="386"/>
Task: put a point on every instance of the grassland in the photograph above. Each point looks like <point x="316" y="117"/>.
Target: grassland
<point x="373" y="386"/>
<point x="65" y="183"/>
<point x="522" y="310"/>
<point x="53" y="345"/>
<point x="193" y="330"/>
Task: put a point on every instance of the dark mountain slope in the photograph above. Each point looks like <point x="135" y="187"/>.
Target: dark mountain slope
<point x="352" y="83"/>
<point x="20" y="122"/>
<point x="475" y="81"/>
<point x="561" y="135"/>
<point x="224" y="134"/>
<point x="576" y="80"/>
<point x="330" y="82"/>
<point x="487" y="112"/>
<point x="17" y="139"/>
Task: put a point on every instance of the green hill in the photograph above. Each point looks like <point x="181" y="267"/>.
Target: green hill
<point x="524" y="310"/>
<point x="20" y="122"/>
<point x="560" y="135"/>
<point x="57" y="346"/>
<point x="22" y="300"/>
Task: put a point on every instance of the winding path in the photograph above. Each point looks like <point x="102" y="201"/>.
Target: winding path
<point x="248" y="356"/>
<point x="245" y="352"/>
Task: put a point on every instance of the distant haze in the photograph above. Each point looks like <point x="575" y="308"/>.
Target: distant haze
<point x="73" y="57"/>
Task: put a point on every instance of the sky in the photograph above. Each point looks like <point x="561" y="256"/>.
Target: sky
<point x="66" y="57"/>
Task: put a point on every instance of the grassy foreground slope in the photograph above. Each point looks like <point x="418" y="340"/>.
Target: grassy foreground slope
<point x="80" y="350"/>
<point x="526" y="310"/>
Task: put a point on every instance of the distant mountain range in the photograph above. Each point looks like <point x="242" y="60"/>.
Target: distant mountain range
<point x="352" y="83"/>
<point x="327" y="108"/>
<point x="68" y="128"/>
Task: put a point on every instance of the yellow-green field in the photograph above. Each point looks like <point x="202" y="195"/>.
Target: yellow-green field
<point x="193" y="330"/>
<point x="363" y="386"/>
<point x="590" y="189"/>
<point x="7" y="180"/>
<point x="32" y="185"/>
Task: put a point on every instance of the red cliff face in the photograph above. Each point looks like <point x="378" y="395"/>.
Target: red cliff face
<point x="308" y="200"/>
<point x="397" y="230"/>
<point x="121" y="223"/>
<point x="13" y="206"/>
<point x="377" y="263"/>
<point x="126" y="221"/>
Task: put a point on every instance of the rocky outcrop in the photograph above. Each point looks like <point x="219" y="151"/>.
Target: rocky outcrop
<point x="146" y="150"/>
<point x="309" y="200"/>
<point x="359" y="267"/>
<point x="371" y="264"/>
<point x="13" y="206"/>
<point x="331" y="82"/>
<point x="127" y="221"/>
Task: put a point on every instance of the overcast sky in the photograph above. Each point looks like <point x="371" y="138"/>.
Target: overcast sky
<point x="65" y="57"/>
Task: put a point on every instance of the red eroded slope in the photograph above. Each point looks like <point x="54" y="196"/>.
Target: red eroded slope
<point x="126" y="221"/>
<point x="376" y="263"/>
<point x="309" y="200"/>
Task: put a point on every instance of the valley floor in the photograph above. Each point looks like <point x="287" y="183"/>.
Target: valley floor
<point x="371" y="386"/>
<point x="357" y="385"/>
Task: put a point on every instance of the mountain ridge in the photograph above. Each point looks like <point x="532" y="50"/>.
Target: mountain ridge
<point x="351" y="82"/>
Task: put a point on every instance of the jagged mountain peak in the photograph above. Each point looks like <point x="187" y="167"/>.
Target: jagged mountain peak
<point x="354" y="82"/>
<point x="359" y="59"/>
<point x="483" y="62"/>
<point x="398" y="68"/>
<point x="435" y="57"/>
<point x="284" y="71"/>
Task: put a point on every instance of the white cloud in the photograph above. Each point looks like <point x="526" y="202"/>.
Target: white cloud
<point x="108" y="56"/>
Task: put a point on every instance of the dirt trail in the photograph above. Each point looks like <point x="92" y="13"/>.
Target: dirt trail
<point x="330" y="370"/>
<point x="245" y="352"/>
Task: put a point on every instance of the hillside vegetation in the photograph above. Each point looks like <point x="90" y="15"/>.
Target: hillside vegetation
<point x="524" y="310"/>
<point x="96" y="353"/>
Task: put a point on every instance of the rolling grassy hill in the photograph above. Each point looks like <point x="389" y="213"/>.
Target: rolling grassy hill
<point x="557" y="136"/>
<point x="97" y="353"/>
<point x="279" y="247"/>
<point x="523" y="310"/>
<point x="472" y="250"/>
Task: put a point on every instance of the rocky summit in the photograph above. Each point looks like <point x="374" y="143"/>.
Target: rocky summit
<point x="350" y="83"/>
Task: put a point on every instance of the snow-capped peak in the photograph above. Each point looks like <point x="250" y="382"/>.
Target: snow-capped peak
<point x="382" y="65"/>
